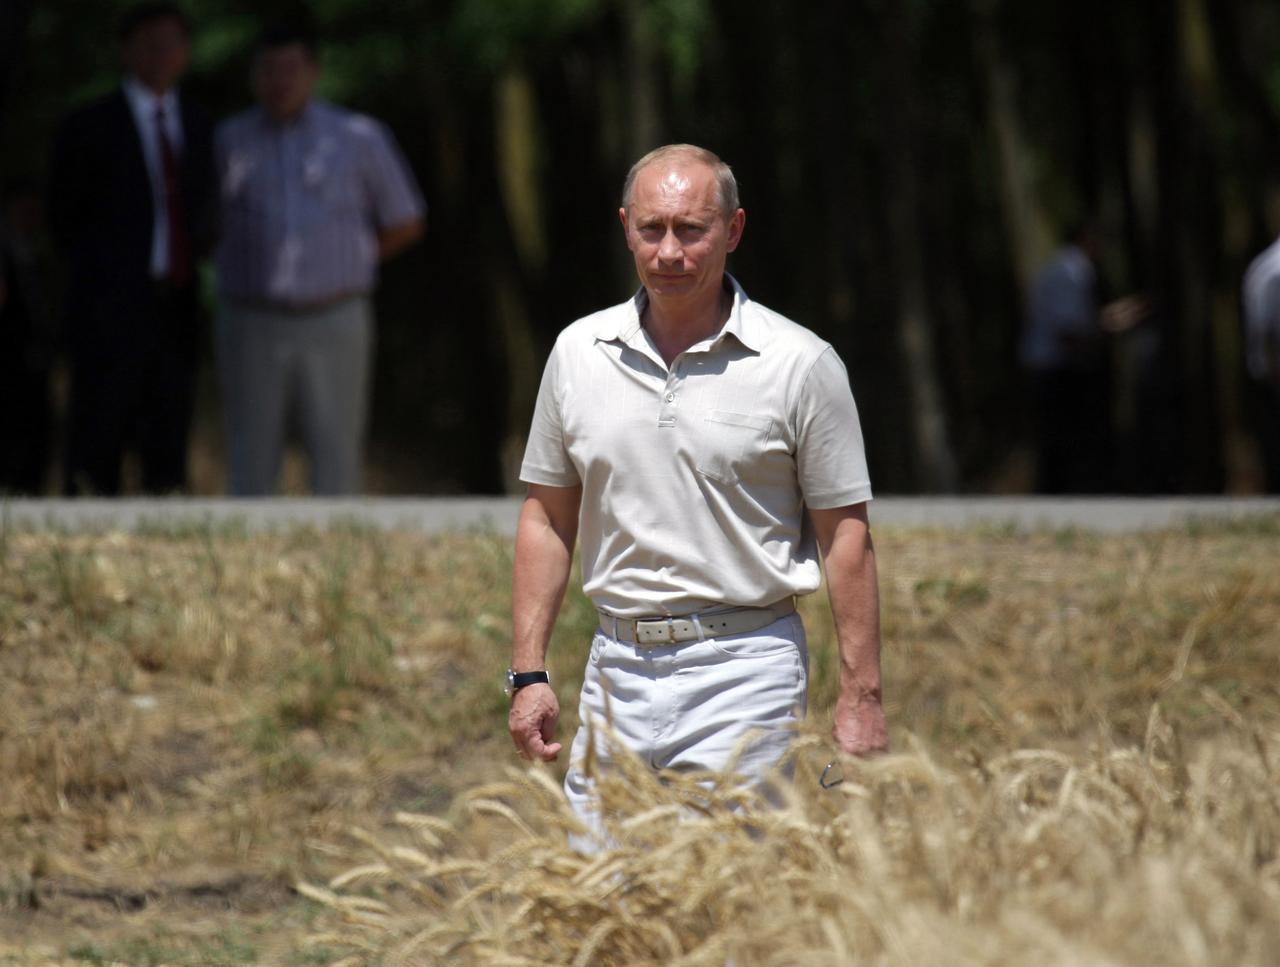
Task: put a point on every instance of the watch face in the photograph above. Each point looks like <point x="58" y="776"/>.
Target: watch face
<point x="510" y="687"/>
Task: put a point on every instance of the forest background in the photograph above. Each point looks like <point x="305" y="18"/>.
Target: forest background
<point x="905" y="165"/>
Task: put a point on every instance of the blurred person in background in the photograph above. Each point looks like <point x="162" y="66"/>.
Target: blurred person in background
<point x="1261" y="305"/>
<point x="707" y="449"/>
<point x="27" y="342"/>
<point x="132" y="204"/>
<point x="1066" y="353"/>
<point x="313" y="198"/>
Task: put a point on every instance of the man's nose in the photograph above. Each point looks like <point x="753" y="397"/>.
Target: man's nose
<point x="669" y="250"/>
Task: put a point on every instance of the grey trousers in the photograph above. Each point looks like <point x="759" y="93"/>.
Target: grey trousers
<point x="312" y="365"/>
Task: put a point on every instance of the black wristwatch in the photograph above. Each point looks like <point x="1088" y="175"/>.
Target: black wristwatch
<point x="518" y="680"/>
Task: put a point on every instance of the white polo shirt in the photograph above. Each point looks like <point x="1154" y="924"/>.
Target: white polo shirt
<point x="1261" y="301"/>
<point x="695" y="478"/>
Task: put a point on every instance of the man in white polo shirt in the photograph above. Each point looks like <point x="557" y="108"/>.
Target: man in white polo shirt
<point x="704" y="448"/>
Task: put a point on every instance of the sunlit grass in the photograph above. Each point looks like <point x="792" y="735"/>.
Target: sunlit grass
<point x="194" y="720"/>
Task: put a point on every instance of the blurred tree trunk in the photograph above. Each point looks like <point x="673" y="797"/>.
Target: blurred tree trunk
<point x="13" y="30"/>
<point x="1257" y="141"/>
<point x="1225" y="248"/>
<point x="1030" y="236"/>
<point x="647" y="124"/>
<point x="518" y="150"/>
<point x="1189" y="218"/>
<point x="935" y="467"/>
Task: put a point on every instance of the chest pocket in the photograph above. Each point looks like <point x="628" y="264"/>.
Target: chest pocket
<point x="333" y="180"/>
<point x="728" y="441"/>
<point x="243" y="188"/>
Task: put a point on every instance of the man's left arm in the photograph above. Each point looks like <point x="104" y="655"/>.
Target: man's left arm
<point x="844" y="537"/>
<point x="399" y="212"/>
<point x="202" y="184"/>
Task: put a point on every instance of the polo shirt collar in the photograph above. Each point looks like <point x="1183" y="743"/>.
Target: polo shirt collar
<point x="741" y="324"/>
<point x="624" y="325"/>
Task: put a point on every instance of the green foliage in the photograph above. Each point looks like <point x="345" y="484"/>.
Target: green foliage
<point x="222" y="41"/>
<point x="952" y="591"/>
<point x="680" y="27"/>
<point x="494" y="32"/>
<point x="223" y="951"/>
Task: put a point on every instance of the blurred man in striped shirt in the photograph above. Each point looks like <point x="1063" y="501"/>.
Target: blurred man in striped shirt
<point x="313" y="198"/>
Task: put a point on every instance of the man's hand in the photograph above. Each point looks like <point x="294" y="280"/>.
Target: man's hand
<point x="535" y="711"/>
<point x="396" y="238"/>
<point x="859" y="727"/>
<point x="1124" y="313"/>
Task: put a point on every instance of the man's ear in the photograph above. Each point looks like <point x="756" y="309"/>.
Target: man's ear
<point x="622" y="217"/>
<point x="736" y="225"/>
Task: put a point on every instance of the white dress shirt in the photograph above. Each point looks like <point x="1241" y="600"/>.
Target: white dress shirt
<point x="144" y="102"/>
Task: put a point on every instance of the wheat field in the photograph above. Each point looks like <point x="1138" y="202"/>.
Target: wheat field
<point x="227" y="748"/>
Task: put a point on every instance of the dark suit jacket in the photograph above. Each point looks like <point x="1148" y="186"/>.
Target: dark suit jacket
<point x="101" y="210"/>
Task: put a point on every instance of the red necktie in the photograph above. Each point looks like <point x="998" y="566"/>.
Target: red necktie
<point x="180" y="267"/>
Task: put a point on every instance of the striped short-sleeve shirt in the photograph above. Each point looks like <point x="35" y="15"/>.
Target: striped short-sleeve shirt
<point x="696" y="477"/>
<point x="302" y="204"/>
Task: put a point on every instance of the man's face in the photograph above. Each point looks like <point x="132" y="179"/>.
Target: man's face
<point x="157" y="53"/>
<point x="283" y="79"/>
<point x="677" y="232"/>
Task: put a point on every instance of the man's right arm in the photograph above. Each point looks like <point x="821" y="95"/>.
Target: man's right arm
<point x="545" y="537"/>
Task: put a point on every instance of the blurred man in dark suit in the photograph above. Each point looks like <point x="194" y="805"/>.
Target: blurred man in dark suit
<point x="26" y="342"/>
<point x="132" y="200"/>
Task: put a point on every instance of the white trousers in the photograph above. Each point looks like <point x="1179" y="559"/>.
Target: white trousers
<point x="691" y="706"/>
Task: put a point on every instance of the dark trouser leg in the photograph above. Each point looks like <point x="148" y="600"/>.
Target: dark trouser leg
<point x="1051" y="402"/>
<point x="25" y="427"/>
<point x="1073" y="432"/>
<point x="167" y="392"/>
<point x="102" y="401"/>
<point x="1266" y="410"/>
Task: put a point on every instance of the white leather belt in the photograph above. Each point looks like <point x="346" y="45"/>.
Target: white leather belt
<point x="693" y="627"/>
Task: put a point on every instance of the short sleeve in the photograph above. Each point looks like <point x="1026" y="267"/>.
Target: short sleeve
<point x="830" y="460"/>
<point x="546" y="458"/>
<point x="1262" y="320"/>
<point x="392" y="189"/>
<point x="1070" y="307"/>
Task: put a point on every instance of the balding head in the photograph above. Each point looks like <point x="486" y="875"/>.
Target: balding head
<point x="677" y="155"/>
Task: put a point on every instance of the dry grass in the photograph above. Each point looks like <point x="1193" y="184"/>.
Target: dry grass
<point x="1115" y="857"/>
<point x="1087" y="734"/>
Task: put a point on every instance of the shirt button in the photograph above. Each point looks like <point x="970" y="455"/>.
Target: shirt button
<point x="671" y="397"/>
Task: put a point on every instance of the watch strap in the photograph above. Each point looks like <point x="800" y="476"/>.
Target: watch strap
<point x="521" y="679"/>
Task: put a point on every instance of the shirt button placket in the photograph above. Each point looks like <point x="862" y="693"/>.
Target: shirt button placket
<point x="667" y="413"/>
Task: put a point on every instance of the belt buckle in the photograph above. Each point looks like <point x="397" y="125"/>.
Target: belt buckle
<point x="655" y="631"/>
